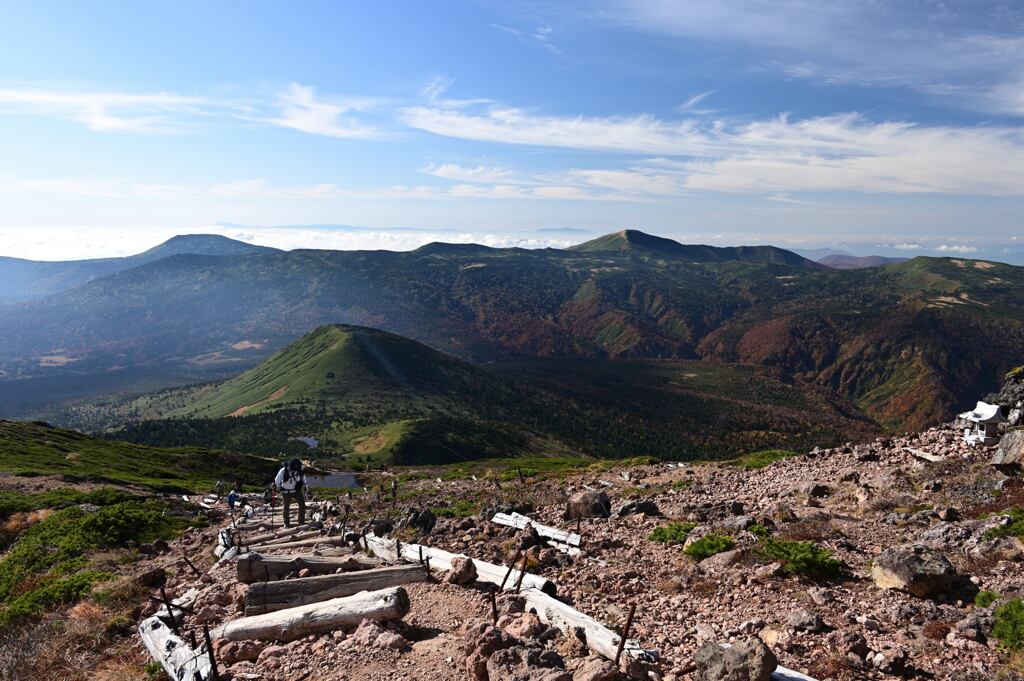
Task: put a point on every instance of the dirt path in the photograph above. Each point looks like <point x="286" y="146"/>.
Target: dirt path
<point x="277" y="394"/>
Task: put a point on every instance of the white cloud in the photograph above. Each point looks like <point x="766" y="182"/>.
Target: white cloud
<point x="454" y="171"/>
<point x="903" y="246"/>
<point x="783" y="197"/>
<point x="842" y="152"/>
<point x="957" y="248"/>
<point x="104" y="111"/>
<point x="975" y="59"/>
<point x="539" y="36"/>
<point x="300" y="110"/>
<point x="690" y="105"/>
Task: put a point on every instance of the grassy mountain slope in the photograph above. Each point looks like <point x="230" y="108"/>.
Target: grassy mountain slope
<point x="371" y="395"/>
<point x="902" y="341"/>
<point x="32" y="449"/>
<point x="339" y="363"/>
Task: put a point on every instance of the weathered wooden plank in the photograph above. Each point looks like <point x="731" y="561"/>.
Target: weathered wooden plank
<point x="258" y="567"/>
<point x="176" y="657"/>
<point x="305" y="543"/>
<point x="277" y="534"/>
<point x="318" y="618"/>
<point x="301" y="536"/>
<point x="272" y="596"/>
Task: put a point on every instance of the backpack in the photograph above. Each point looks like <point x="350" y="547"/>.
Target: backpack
<point x="293" y="471"/>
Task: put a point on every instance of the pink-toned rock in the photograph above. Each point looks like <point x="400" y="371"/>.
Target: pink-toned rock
<point x="521" y="625"/>
<point x="463" y="571"/>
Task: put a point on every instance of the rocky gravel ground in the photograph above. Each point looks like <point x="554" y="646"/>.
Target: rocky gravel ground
<point x="907" y="518"/>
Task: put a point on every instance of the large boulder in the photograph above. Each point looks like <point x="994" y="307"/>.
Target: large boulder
<point x="1009" y="458"/>
<point x="588" y="505"/>
<point x="641" y="507"/>
<point x="915" y="569"/>
<point x="749" y="660"/>
<point x="463" y="571"/>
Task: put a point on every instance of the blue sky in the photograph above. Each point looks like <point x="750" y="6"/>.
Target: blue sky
<point x="869" y="125"/>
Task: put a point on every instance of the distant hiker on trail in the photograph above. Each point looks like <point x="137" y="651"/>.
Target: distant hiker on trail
<point x="292" y="482"/>
<point x="232" y="499"/>
<point x="220" y="489"/>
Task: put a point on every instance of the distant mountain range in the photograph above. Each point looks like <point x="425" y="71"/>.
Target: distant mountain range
<point x="27" y="279"/>
<point x="372" y="395"/>
<point x="853" y="262"/>
<point x="908" y="343"/>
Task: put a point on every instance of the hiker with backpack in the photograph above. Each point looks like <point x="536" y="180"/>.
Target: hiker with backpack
<point x="292" y="482"/>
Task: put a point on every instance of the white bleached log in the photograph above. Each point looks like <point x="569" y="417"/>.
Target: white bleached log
<point x="442" y="560"/>
<point x="272" y="596"/>
<point x="925" y="456"/>
<point x="519" y="521"/>
<point x="225" y="556"/>
<point x="186" y="600"/>
<point x="318" y="618"/>
<point x="174" y="655"/>
<point x="599" y="638"/>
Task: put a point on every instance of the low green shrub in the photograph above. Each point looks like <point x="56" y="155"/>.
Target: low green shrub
<point x="462" y="508"/>
<point x="759" y="531"/>
<point x="1009" y="624"/>
<point x="802" y="558"/>
<point x="48" y="564"/>
<point x="672" y="533"/>
<point x="755" y="460"/>
<point x="1014" y="529"/>
<point x="985" y="598"/>
<point x="709" y="545"/>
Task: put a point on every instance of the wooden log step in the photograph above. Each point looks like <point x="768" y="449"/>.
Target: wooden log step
<point x="280" y="533"/>
<point x="318" y="618"/>
<point x="305" y="543"/>
<point x="293" y="539"/>
<point x="258" y="567"/>
<point x="272" y="596"/>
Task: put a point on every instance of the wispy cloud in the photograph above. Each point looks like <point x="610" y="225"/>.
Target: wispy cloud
<point x="486" y="174"/>
<point x="301" y="110"/>
<point x="957" y="248"/>
<point x="904" y="246"/>
<point x="842" y="152"/>
<point x="105" y="111"/>
<point x="538" y="36"/>
<point x="783" y="197"/>
<point x="296" y="107"/>
<point x="690" y="105"/>
<point x="974" y="58"/>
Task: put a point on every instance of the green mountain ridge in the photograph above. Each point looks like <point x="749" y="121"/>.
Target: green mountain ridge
<point x="366" y="394"/>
